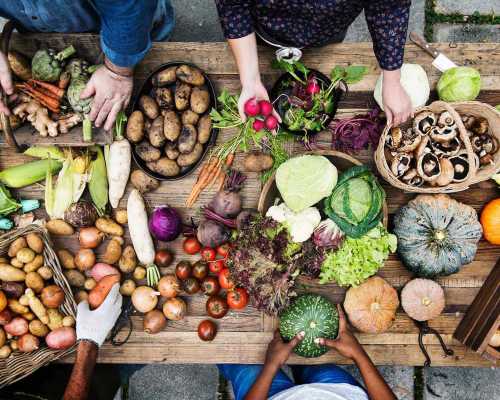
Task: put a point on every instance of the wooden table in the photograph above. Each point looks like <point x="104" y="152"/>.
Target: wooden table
<point x="243" y="336"/>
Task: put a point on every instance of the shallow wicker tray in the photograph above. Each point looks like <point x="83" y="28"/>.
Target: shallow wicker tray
<point x="341" y="160"/>
<point x="19" y="365"/>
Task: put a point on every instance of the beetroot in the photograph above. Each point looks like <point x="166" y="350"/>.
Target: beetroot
<point x="212" y="234"/>
<point x="227" y="204"/>
<point x="258" y="125"/>
<point x="271" y="122"/>
<point x="252" y="107"/>
<point x="266" y="108"/>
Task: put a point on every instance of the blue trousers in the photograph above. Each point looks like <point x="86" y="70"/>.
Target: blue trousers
<point x="242" y="377"/>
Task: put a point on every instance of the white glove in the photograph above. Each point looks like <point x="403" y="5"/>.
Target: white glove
<point x="95" y="325"/>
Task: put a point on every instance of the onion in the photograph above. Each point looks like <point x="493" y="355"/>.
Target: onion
<point x="52" y="296"/>
<point x="154" y="321"/>
<point x="144" y="299"/>
<point x="168" y="286"/>
<point x="90" y="237"/>
<point x="174" y="309"/>
<point x="165" y="224"/>
<point x="84" y="259"/>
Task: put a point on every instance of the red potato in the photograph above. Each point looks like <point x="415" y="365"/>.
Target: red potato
<point x="61" y="338"/>
<point x="27" y="343"/>
<point x="100" y="270"/>
<point x="17" y="326"/>
<point x="99" y="293"/>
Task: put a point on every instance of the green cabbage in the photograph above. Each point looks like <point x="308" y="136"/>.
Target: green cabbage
<point x="303" y="181"/>
<point x="459" y="84"/>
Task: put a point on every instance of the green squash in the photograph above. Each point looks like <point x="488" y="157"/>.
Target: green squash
<point x="436" y="235"/>
<point x="316" y="316"/>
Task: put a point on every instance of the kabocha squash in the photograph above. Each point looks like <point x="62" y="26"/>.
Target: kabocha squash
<point x="436" y="235"/>
<point x="422" y="299"/>
<point x="371" y="306"/>
<point x="316" y="316"/>
<point x="490" y="220"/>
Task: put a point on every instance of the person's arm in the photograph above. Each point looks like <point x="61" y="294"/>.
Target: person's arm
<point x="388" y="23"/>
<point x="79" y="383"/>
<point x="348" y="346"/>
<point x="5" y="82"/>
<point x="276" y="356"/>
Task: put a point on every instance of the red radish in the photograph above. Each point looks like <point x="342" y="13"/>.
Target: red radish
<point x="258" y="125"/>
<point x="271" y="122"/>
<point x="266" y="108"/>
<point x="312" y="86"/>
<point x="252" y="107"/>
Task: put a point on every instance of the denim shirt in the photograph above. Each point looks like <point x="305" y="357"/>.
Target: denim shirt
<point x="126" y="26"/>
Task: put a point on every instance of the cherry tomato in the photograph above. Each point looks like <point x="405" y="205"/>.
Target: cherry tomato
<point x="210" y="286"/>
<point x="216" y="266"/>
<point x="191" y="285"/>
<point x="208" y="254"/>
<point x="207" y="330"/>
<point x="223" y="249"/>
<point x="183" y="270"/>
<point x="163" y="258"/>
<point x="237" y="299"/>
<point x="216" y="306"/>
<point x="191" y="245"/>
<point x="225" y="280"/>
<point x="200" y="270"/>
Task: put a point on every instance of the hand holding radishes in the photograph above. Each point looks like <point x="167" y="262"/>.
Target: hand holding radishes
<point x="263" y="112"/>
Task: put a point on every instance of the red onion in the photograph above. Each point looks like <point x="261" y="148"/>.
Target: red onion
<point x="165" y="224"/>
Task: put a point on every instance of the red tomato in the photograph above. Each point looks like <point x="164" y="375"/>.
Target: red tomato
<point x="237" y="299"/>
<point x="207" y="330"/>
<point x="223" y="249"/>
<point x="210" y="286"/>
<point x="191" y="245"/>
<point x="225" y="280"/>
<point x="216" y="306"/>
<point x="216" y="266"/>
<point x="208" y="254"/>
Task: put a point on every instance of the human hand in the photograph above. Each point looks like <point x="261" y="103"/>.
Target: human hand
<point x="5" y="81"/>
<point x="111" y="93"/>
<point x="278" y="351"/>
<point x="397" y="103"/>
<point x="95" y="325"/>
<point x="254" y="90"/>
<point x="345" y="343"/>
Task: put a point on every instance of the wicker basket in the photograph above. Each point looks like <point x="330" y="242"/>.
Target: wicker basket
<point x="20" y="365"/>
<point x="472" y="108"/>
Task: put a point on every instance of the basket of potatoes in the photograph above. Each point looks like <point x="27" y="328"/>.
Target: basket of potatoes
<point x="170" y="128"/>
<point x="37" y="308"/>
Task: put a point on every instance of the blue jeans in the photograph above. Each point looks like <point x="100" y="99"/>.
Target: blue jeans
<point x="243" y="376"/>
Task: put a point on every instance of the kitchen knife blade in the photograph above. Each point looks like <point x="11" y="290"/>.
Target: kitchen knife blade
<point x="441" y="62"/>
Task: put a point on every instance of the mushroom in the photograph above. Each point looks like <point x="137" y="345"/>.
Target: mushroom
<point x="460" y="167"/>
<point x="422" y="299"/>
<point x="393" y="140"/>
<point x="428" y="167"/>
<point x="468" y="121"/>
<point x="445" y="119"/>
<point x="424" y="121"/>
<point x="412" y="178"/>
<point x="410" y="141"/>
<point x="479" y="126"/>
<point x="401" y="163"/>
<point x="487" y="159"/>
<point x="444" y="134"/>
<point x="423" y="147"/>
<point x="447" y="149"/>
<point x="484" y="146"/>
<point x="447" y="173"/>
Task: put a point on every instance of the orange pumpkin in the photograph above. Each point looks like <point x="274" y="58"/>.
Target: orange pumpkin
<point x="490" y="220"/>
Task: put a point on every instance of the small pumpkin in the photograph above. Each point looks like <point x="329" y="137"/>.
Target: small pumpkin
<point x="436" y="235"/>
<point x="371" y="306"/>
<point x="490" y="220"/>
<point x="422" y="299"/>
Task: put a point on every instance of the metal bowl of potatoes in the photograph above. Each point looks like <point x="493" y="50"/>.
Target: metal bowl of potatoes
<point x="170" y="129"/>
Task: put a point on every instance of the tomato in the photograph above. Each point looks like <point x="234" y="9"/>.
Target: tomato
<point x="191" y="245"/>
<point x="207" y="330"/>
<point x="225" y="280"/>
<point x="163" y="258"/>
<point x="191" y="285"/>
<point x="210" y="285"/>
<point x="183" y="270"/>
<point x="200" y="270"/>
<point x="237" y="299"/>
<point x="216" y="266"/>
<point x="208" y="254"/>
<point x="223" y="249"/>
<point x="216" y="306"/>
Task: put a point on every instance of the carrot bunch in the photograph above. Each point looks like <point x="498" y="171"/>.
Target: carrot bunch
<point x="46" y="94"/>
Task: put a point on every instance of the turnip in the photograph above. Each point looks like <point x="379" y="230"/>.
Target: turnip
<point x="266" y="108"/>
<point x="271" y="122"/>
<point x="252" y="107"/>
<point x="258" y="125"/>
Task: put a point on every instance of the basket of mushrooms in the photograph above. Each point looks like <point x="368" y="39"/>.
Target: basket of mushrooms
<point x="445" y="148"/>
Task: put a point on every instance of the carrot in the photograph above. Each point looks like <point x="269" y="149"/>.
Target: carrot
<point x="101" y="290"/>
<point x="221" y="177"/>
<point x="64" y="80"/>
<point x="56" y="91"/>
<point x="204" y="178"/>
<point x="47" y="101"/>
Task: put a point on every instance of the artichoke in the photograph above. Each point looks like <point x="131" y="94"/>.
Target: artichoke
<point x="47" y="65"/>
<point x="75" y="88"/>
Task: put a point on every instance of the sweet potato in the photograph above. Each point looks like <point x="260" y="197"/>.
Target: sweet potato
<point x="155" y="132"/>
<point x="61" y="338"/>
<point x="143" y="182"/>
<point x="165" y="77"/>
<point x="190" y="75"/>
<point x="187" y="139"/>
<point x="59" y="227"/>
<point x="99" y="293"/>
<point x="171" y="125"/>
<point x="35" y="243"/>
<point x="149" y="106"/>
<point x="199" y="100"/>
<point x="100" y="270"/>
<point x="135" y="127"/>
<point x="108" y="226"/>
<point x="204" y="128"/>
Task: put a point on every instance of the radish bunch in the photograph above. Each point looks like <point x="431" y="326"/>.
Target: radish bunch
<point x="262" y="110"/>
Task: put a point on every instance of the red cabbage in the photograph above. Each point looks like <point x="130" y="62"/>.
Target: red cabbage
<point x="165" y="224"/>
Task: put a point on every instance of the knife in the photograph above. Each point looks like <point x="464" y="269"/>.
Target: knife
<point x="441" y="62"/>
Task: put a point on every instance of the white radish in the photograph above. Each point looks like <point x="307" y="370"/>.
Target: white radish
<point x="118" y="161"/>
<point x="141" y="238"/>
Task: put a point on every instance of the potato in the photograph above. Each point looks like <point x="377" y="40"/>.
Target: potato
<point x="68" y="320"/>
<point x="55" y="318"/>
<point x="187" y="139"/>
<point x="28" y="343"/>
<point x="164" y="98"/>
<point x="127" y="288"/>
<point x="171" y="150"/>
<point x="139" y="273"/>
<point x="165" y="77"/>
<point x="257" y="162"/>
<point x="164" y="166"/>
<point x="17" y="307"/>
<point x="80" y="296"/>
<point x="120" y="215"/>
<point x="8" y="273"/>
<point x="89" y="284"/>
<point x="35" y="264"/>
<point x="59" y="227"/>
<point x="128" y="260"/>
<point x="20" y="65"/>
<point x="199" y="100"/>
<point x="45" y="272"/>
<point x="4" y="260"/>
<point x="16" y="263"/>
<point x="112" y="253"/>
<point x="143" y="182"/>
<point x="67" y="259"/>
<point x="3" y="337"/>
<point x="34" y="281"/>
<point x="75" y="278"/>
<point x="17" y="245"/>
<point x="25" y="255"/>
<point x="135" y="127"/>
<point x="204" y="129"/>
<point x="182" y="93"/>
<point x="108" y="226"/>
<point x="3" y="301"/>
<point x="37" y="328"/>
<point x="24" y="300"/>
<point x="147" y="152"/>
<point x="171" y="125"/>
<point x="190" y="75"/>
<point x="61" y="338"/>
<point x="35" y="243"/>
<point x="13" y="289"/>
<point x="5" y="352"/>
<point x="13" y="345"/>
<point x="190" y="158"/>
<point x="155" y="133"/>
<point x="189" y="117"/>
<point x="29" y="316"/>
<point x="149" y="106"/>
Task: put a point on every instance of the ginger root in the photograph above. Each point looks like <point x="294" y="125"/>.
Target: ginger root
<point x="68" y="121"/>
<point x="33" y="111"/>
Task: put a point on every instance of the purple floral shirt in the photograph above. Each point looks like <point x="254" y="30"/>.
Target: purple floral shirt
<point x="317" y="22"/>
